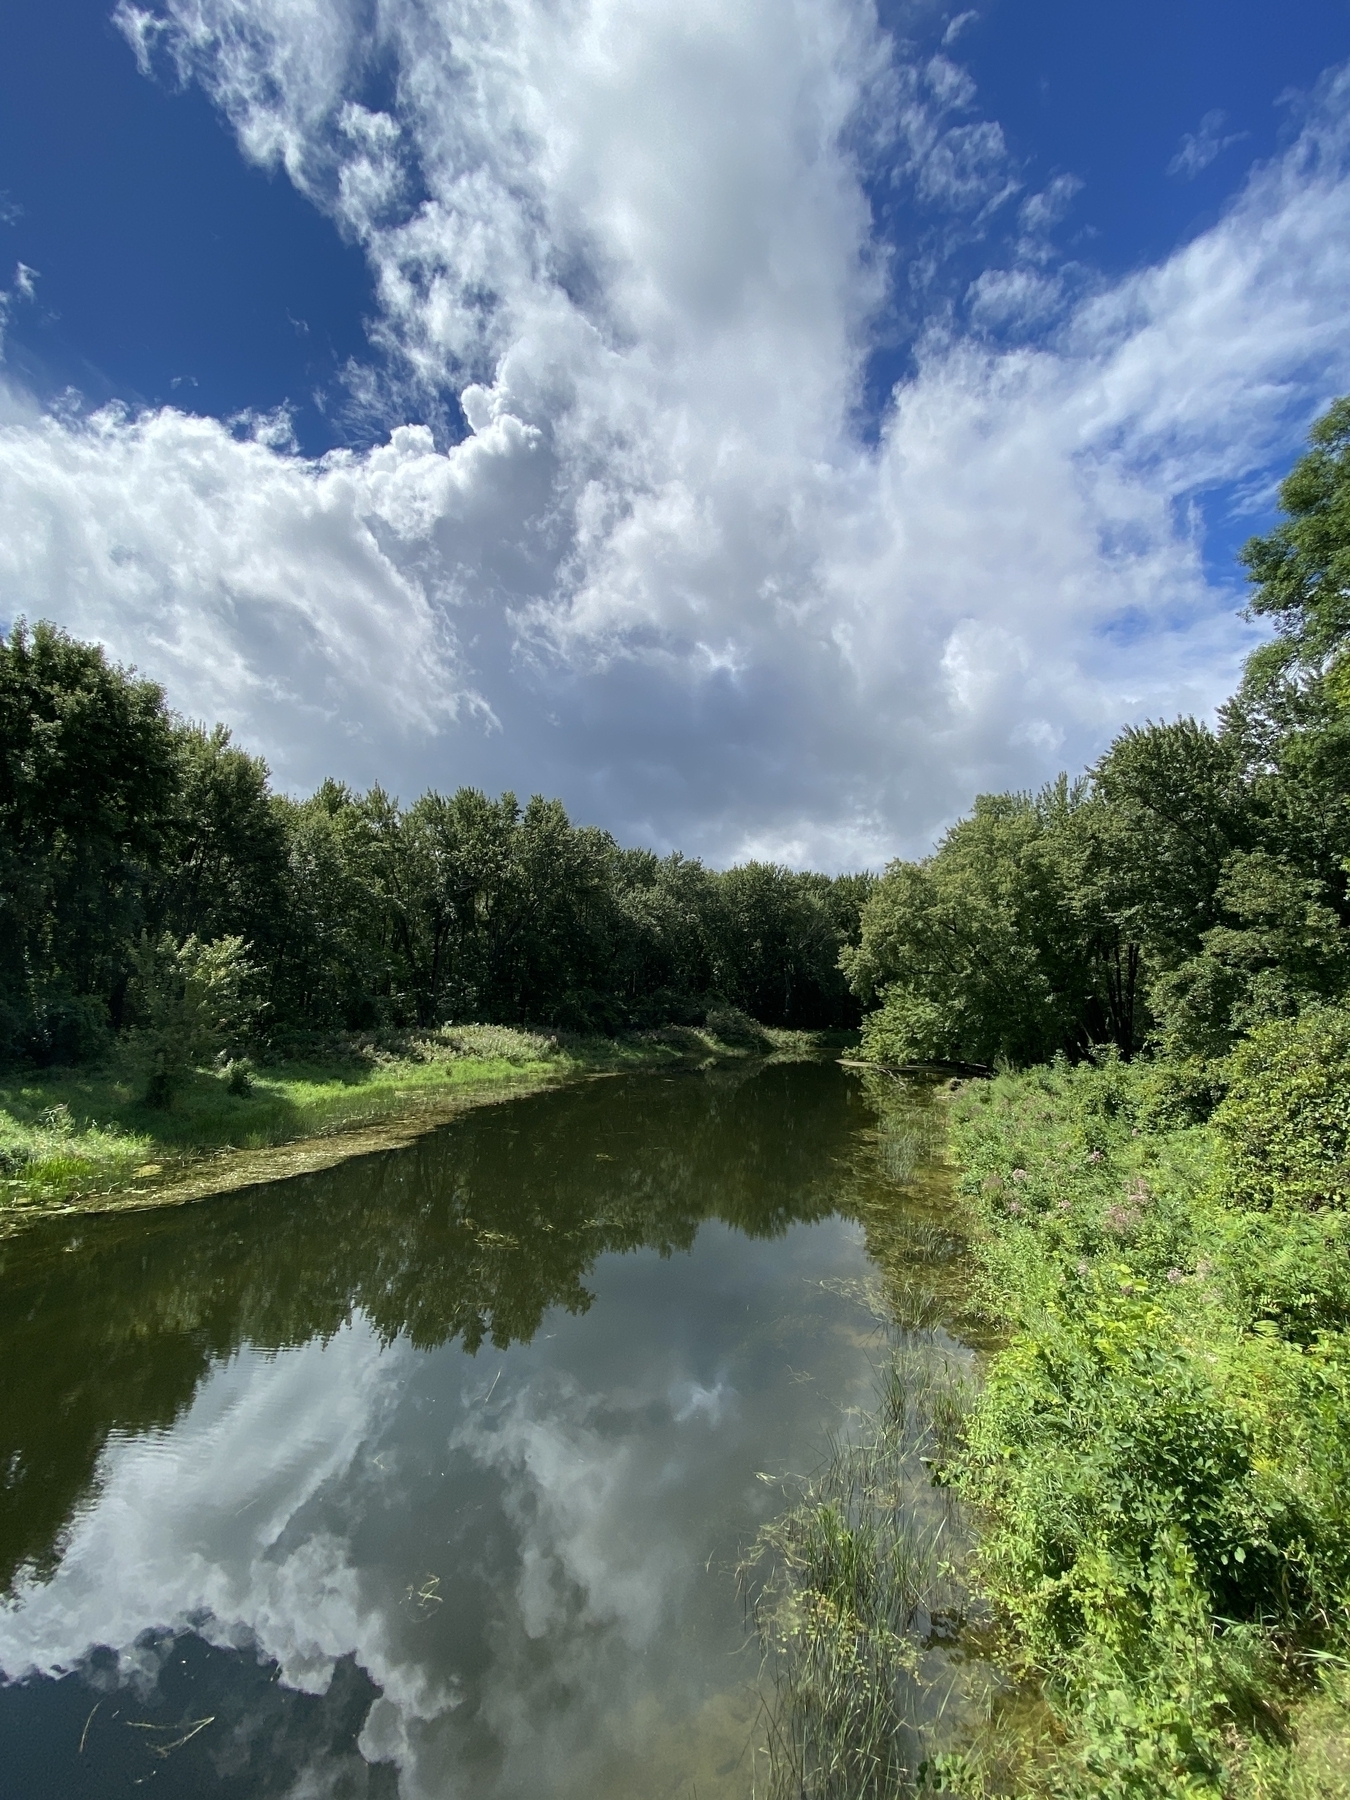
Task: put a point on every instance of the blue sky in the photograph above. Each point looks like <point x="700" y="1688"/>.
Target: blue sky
<point x="764" y="428"/>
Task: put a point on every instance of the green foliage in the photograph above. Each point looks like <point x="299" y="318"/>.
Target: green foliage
<point x="1302" y="569"/>
<point x="1284" y="1123"/>
<point x="192" y="1002"/>
<point x="1160" y="1454"/>
<point x="1191" y="888"/>
<point x="980" y="954"/>
<point x="1286" y="949"/>
<point x="86" y="790"/>
<point x="118" y="822"/>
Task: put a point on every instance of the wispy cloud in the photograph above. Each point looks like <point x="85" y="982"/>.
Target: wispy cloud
<point x="957" y="25"/>
<point x="1200" y="148"/>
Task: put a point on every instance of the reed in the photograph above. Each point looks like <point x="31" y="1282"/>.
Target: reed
<point x="859" y="1602"/>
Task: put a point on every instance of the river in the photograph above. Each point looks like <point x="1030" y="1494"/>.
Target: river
<point x="428" y="1474"/>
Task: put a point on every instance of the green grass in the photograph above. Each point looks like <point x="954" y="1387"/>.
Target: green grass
<point x="1159" y="1455"/>
<point x="856" y="1590"/>
<point x="69" y="1135"/>
<point x="1117" y="1566"/>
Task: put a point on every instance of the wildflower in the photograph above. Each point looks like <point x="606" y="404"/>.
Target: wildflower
<point x="1174" y="1276"/>
<point x="1019" y="1174"/>
<point x="1014" y="1206"/>
<point x="1066" y="1206"/>
<point x="1083" y="1270"/>
<point x="1094" y="1156"/>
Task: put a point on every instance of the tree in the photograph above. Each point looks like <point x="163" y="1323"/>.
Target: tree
<point x="224" y="863"/>
<point x="87" y="773"/>
<point x="192" y="1001"/>
<point x="978" y="954"/>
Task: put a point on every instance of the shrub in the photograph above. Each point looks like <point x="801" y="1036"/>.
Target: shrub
<point x="1284" y="1124"/>
<point x="192" y="1001"/>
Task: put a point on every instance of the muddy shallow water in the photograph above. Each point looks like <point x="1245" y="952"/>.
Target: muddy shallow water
<point x="427" y="1474"/>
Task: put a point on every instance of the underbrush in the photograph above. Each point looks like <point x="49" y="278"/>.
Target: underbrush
<point x="1160" y="1455"/>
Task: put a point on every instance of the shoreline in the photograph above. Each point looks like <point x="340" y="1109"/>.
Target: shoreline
<point x="316" y="1115"/>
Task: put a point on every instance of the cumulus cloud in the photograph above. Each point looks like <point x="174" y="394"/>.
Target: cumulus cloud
<point x="664" y="574"/>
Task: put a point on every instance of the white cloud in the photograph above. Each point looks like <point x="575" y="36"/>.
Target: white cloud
<point x="957" y="26"/>
<point x="637" y="238"/>
<point x="1200" y="148"/>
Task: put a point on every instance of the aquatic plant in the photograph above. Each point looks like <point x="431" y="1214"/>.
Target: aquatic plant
<point x="857" y="1594"/>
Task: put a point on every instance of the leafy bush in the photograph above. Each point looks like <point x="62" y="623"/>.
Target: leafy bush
<point x="1284" y="1124"/>
<point x="1161" y="1455"/>
<point x="192" y="1001"/>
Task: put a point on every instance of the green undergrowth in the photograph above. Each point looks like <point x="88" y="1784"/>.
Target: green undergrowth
<point x="77" y="1134"/>
<point x="1159" y="1457"/>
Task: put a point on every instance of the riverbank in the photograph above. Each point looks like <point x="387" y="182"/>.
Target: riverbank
<point x="1158" y="1455"/>
<point x="1118" y="1563"/>
<point x="83" y="1139"/>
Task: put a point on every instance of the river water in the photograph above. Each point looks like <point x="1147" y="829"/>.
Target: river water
<point x="428" y="1475"/>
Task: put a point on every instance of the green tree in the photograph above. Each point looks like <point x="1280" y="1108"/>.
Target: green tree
<point x="87" y="775"/>
<point x="333" y="966"/>
<point x="193" y="1001"/>
<point x="978" y="954"/>
<point x="224" y="863"/>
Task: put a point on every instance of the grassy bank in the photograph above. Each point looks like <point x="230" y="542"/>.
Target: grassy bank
<point x="1159" y="1455"/>
<point x="1120" y="1564"/>
<point x="87" y="1135"/>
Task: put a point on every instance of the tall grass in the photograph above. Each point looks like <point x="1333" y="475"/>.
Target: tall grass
<point x="858" y="1597"/>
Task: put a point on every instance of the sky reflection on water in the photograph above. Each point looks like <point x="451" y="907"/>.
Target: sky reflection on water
<point x="380" y="1560"/>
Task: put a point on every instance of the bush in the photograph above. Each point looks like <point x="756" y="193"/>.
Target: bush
<point x="1284" y="1124"/>
<point x="1161" y="1454"/>
<point x="192" y="1001"/>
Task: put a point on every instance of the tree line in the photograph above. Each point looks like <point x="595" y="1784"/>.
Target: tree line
<point x="144" y="857"/>
<point x="1191" y="886"/>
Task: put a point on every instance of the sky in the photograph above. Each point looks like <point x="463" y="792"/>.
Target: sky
<point x="764" y="426"/>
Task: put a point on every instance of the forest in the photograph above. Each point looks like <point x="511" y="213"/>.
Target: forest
<point x="153" y="883"/>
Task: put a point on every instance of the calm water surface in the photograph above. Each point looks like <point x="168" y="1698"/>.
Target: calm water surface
<point x="427" y="1475"/>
